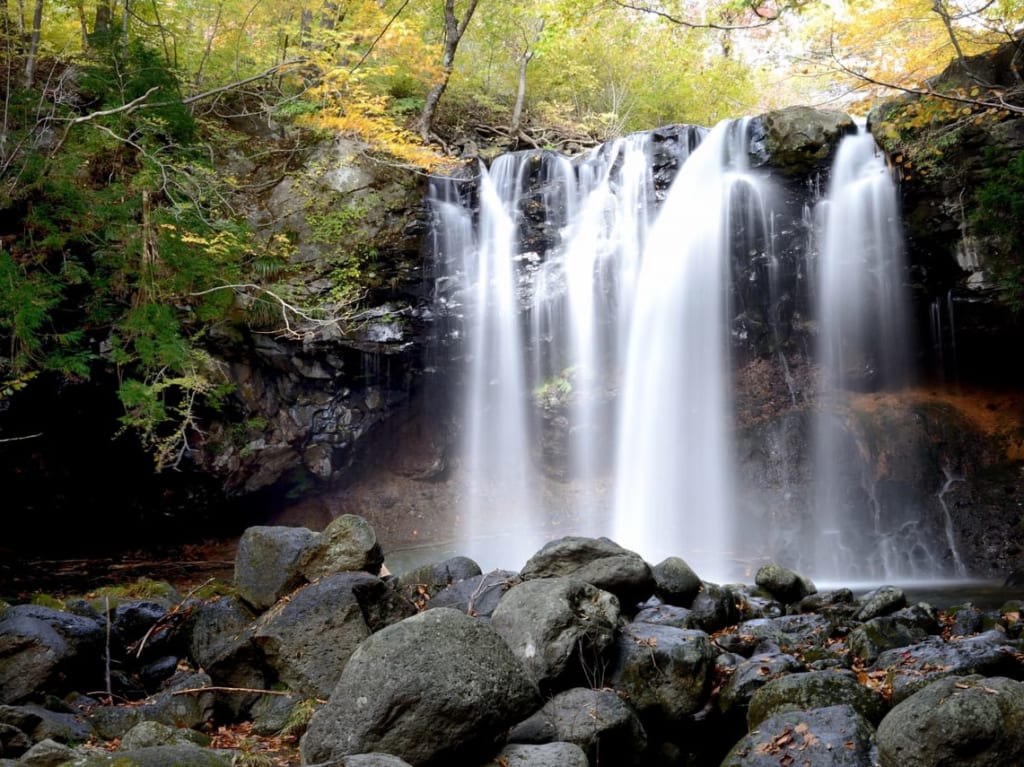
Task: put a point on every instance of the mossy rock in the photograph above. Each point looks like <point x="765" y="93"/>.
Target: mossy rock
<point x="801" y="139"/>
<point x="814" y="689"/>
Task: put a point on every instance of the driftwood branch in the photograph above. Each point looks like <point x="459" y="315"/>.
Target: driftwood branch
<point x="241" y="690"/>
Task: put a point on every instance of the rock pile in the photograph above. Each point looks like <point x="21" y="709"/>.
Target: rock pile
<point x="588" y="656"/>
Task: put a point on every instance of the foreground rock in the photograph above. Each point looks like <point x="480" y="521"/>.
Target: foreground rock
<point x="448" y="665"/>
<point x="425" y="689"/>
<point x="956" y="722"/>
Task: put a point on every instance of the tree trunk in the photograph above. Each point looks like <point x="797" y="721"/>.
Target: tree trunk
<point x="454" y="28"/>
<point x="524" y="62"/>
<point x="33" y="44"/>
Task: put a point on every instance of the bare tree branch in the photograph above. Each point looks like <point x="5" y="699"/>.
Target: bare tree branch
<point x="239" y="83"/>
<point x="133" y="104"/>
<point x="287" y="309"/>
<point x="1001" y="103"/>
<point x="643" y="8"/>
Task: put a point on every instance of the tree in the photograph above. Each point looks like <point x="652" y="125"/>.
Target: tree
<point x="865" y="52"/>
<point x="454" y="29"/>
<point x="33" y="43"/>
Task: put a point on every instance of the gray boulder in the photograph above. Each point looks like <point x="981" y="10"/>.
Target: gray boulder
<point x="783" y="584"/>
<point x="558" y="628"/>
<point x="675" y="582"/>
<point x="477" y="595"/>
<point x="664" y="672"/>
<point x="347" y="544"/>
<point x="423" y="689"/>
<point x="916" y="666"/>
<point x="222" y="642"/>
<point x="149" y="734"/>
<point x="597" y="721"/>
<point x="597" y="561"/>
<point x="157" y="756"/>
<point x="40" y="723"/>
<point x="714" y="608"/>
<point x="665" y="615"/>
<point x="967" y="721"/>
<point x="873" y="637"/>
<point x="46" y="753"/>
<point x="436" y="576"/>
<point x="546" y="755"/>
<point x="48" y="650"/>
<point x="368" y="760"/>
<point x="267" y="563"/>
<point x="750" y="676"/>
<point x="183" y="703"/>
<point x="836" y="736"/>
<point x="882" y="601"/>
<point x="814" y="689"/>
<point x="800" y="139"/>
<point x="307" y="638"/>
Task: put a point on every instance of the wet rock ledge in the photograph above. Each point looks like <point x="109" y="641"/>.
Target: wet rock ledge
<point x="588" y="656"/>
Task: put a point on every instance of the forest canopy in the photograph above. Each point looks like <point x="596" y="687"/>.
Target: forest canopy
<point x="121" y="243"/>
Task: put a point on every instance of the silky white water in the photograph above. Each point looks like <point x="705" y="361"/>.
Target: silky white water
<point x="596" y="314"/>
<point x="863" y="346"/>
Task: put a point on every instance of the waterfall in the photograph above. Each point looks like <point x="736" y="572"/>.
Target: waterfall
<point x="594" y="306"/>
<point x="863" y="340"/>
<point x="674" y="465"/>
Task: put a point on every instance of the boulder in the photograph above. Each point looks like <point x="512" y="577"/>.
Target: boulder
<point x="558" y="628"/>
<point x="800" y="139"/>
<point x="597" y="561"/>
<point x="665" y="615"/>
<point x="814" y="689"/>
<point x="347" y="544"/>
<point x="369" y="760"/>
<point x="664" y="672"/>
<point x="783" y="584"/>
<point x="47" y="753"/>
<point x="184" y="702"/>
<point x="41" y="723"/>
<point x="47" y="649"/>
<point x="433" y="685"/>
<point x="914" y="667"/>
<point x="308" y="637"/>
<point x="158" y="756"/>
<point x="750" y="676"/>
<point x="546" y="755"/>
<point x="962" y="721"/>
<point x="478" y="595"/>
<point x="222" y="642"/>
<point x="267" y="563"/>
<point x="436" y="576"/>
<point x="675" y="582"/>
<point x="714" y="608"/>
<point x="877" y="635"/>
<point x="836" y="736"/>
<point x="599" y="722"/>
<point x="881" y="601"/>
<point x="149" y="734"/>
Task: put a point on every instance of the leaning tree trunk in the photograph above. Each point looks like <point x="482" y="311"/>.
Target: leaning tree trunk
<point x="524" y="62"/>
<point x="454" y="28"/>
<point x="33" y="44"/>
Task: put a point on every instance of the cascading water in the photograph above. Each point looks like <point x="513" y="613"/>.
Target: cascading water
<point x="863" y="346"/>
<point x="597" y="321"/>
<point x="617" y="332"/>
<point x="674" y="468"/>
